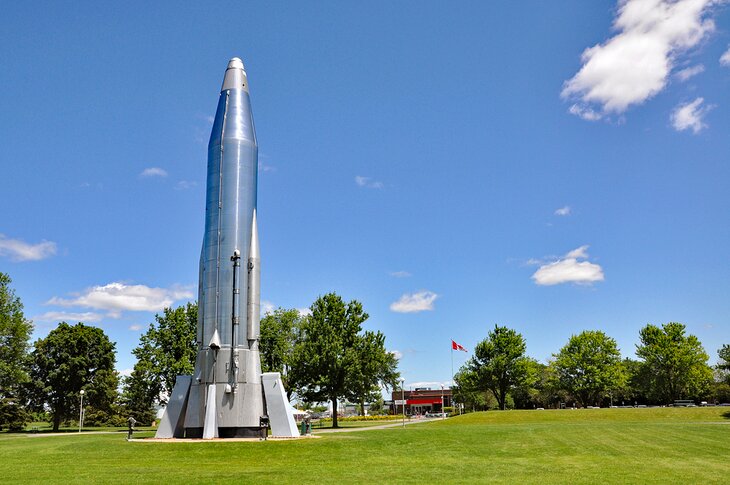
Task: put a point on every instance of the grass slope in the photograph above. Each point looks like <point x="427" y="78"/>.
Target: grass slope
<point x="663" y="445"/>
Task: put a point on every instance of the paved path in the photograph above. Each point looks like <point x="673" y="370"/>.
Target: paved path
<point x="73" y="433"/>
<point x="379" y="426"/>
<point x="315" y="432"/>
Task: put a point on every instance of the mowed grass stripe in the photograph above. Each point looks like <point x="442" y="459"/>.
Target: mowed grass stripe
<point x="584" y="446"/>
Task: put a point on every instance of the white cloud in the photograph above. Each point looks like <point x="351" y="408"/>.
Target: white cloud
<point x="579" y="253"/>
<point x="690" y="72"/>
<point x="117" y="297"/>
<point x="569" y="270"/>
<point x="400" y="274"/>
<point x="266" y="307"/>
<point x="397" y="354"/>
<point x="633" y="65"/>
<point x="368" y="182"/>
<point x="429" y="384"/>
<point x="725" y="58"/>
<point x="18" y="250"/>
<point x="185" y="184"/>
<point x="563" y="211"/>
<point x="135" y="328"/>
<point x="588" y="114"/>
<point x="126" y="372"/>
<point x="153" y="172"/>
<point x="417" y="302"/>
<point x="266" y="168"/>
<point x="689" y="116"/>
<point x="304" y="312"/>
<point x="86" y="317"/>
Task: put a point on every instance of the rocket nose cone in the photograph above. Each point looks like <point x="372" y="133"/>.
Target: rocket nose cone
<point x="235" y="77"/>
<point x="235" y="63"/>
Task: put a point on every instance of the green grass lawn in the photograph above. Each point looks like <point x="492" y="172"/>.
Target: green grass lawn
<point x="665" y="445"/>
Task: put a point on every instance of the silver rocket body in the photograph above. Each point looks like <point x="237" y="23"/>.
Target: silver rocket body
<point x="225" y="395"/>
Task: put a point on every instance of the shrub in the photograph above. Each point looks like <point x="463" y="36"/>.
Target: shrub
<point x="383" y="417"/>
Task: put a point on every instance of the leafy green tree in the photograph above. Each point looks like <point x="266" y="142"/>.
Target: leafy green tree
<point x="13" y="414"/>
<point x="326" y="353"/>
<point x="675" y="363"/>
<point x="466" y="390"/>
<point x="278" y="335"/>
<point x="373" y="369"/>
<point x="69" y="359"/>
<point x="377" y="406"/>
<point x="724" y="364"/>
<point x="15" y="333"/>
<point x="720" y="392"/>
<point x="636" y="384"/>
<point x="589" y="367"/>
<point x="139" y="396"/>
<point x="550" y="393"/>
<point x="165" y="351"/>
<point x="538" y="391"/>
<point x="500" y="364"/>
<point x="720" y="388"/>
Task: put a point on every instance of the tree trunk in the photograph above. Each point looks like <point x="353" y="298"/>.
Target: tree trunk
<point x="334" y="412"/>
<point x="56" y="421"/>
<point x="362" y="407"/>
<point x="500" y="397"/>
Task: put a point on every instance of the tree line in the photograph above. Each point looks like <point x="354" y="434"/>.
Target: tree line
<point x="589" y="371"/>
<point x="327" y="356"/>
<point x="323" y="356"/>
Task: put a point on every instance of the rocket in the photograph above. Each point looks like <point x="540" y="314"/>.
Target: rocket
<point x="226" y="398"/>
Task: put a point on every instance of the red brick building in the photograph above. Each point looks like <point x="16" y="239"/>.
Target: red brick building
<point x="420" y="401"/>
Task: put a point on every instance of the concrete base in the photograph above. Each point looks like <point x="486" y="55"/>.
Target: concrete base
<point x="227" y="433"/>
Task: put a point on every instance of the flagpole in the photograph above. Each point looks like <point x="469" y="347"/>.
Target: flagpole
<point x="452" y="366"/>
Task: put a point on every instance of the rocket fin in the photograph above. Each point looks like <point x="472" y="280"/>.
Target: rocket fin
<point x="215" y="341"/>
<point x="278" y="407"/>
<point x="210" y="428"/>
<point x="172" y="424"/>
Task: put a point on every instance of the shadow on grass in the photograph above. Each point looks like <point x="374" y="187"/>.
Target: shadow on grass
<point x="726" y="415"/>
<point x="70" y="431"/>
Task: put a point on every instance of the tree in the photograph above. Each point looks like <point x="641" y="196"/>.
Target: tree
<point x="276" y="342"/>
<point x="15" y="333"/>
<point x="538" y="391"/>
<point x="167" y="350"/>
<point x="724" y="364"/>
<point x="500" y="364"/>
<point x="373" y="369"/>
<point x="69" y="359"/>
<point x="377" y="407"/>
<point x="324" y="357"/>
<point x="466" y="390"/>
<point x="676" y="364"/>
<point x="635" y="387"/>
<point x="139" y="395"/>
<point x="589" y="367"/>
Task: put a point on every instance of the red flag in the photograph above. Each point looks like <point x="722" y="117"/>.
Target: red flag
<point x="455" y="346"/>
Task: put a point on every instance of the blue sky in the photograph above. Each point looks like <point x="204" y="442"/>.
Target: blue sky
<point x="550" y="166"/>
